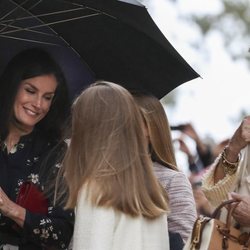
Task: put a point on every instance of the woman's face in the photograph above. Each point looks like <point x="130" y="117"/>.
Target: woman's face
<point x="33" y="100"/>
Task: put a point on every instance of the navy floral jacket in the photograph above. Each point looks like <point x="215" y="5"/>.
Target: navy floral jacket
<point x="36" y="159"/>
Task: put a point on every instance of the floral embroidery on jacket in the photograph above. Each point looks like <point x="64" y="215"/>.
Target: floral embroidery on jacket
<point x="34" y="178"/>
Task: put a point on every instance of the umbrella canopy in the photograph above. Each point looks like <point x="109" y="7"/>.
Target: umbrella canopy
<point x="107" y="39"/>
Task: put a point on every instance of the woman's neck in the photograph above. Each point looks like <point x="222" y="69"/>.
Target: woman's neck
<point x="14" y="136"/>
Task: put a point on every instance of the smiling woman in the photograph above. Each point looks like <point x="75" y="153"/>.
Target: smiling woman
<point x="33" y="101"/>
<point x="33" y="108"/>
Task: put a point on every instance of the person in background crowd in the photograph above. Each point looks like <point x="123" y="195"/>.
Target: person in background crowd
<point x="196" y="166"/>
<point x="204" y="157"/>
<point x="119" y="202"/>
<point x="203" y="149"/>
<point x="33" y="107"/>
<point x="181" y="200"/>
<point x="203" y="206"/>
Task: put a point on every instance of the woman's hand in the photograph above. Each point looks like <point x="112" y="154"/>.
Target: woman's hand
<point x="242" y="211"/>
<point x="239" y="140"/>
<point x="11" y="210"/>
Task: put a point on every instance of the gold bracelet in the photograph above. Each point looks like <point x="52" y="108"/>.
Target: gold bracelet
<point x="229" y="167"/>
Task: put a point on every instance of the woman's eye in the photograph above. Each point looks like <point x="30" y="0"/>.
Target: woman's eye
<point x="30" y="91"/>
<point x="48" y="98"/>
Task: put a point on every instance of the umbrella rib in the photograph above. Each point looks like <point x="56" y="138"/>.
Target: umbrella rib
<point x="11" y="11"/>
<point x="90" y="8"/>
<point x="51" y="23"/>
<point x="33" y="31"/>
<point x="28" y="40"/>
<point x="42" y="15"/>
<point x="82" y="7"/>
<point x="17" y="6"/>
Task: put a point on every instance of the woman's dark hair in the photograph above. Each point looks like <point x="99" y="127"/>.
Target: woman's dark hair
<point x="27" y="64"/>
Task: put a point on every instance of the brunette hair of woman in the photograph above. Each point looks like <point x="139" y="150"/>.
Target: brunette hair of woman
<point x="160" y="139"/>
<point x="108" y="154"/>
<point x="27" y="64"/>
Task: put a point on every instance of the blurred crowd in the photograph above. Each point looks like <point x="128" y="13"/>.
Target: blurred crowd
<point x="198" y="159"/>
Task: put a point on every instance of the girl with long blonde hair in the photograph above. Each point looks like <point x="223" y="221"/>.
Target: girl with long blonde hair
<point x="181" y="200"/>
<point x="119" y="202"/>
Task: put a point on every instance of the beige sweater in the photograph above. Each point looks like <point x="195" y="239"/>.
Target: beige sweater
<point x="238" y="182"/>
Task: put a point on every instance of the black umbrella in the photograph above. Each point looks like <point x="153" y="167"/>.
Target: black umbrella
<point x="106" y="39"/>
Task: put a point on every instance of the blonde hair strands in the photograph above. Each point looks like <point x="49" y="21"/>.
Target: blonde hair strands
<point x="158" y="130"/>
<point x="108" y="154"/>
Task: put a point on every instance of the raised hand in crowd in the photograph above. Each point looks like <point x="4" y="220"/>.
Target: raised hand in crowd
<point x="231" y="172"/>
<point x="203" y="149"/>
<point x="231" y="152"/>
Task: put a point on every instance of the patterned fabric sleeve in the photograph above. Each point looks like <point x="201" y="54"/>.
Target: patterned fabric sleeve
<point x="181" y="200"/>
<point x="55" y="229"/>
<point x="183" y="210"/>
